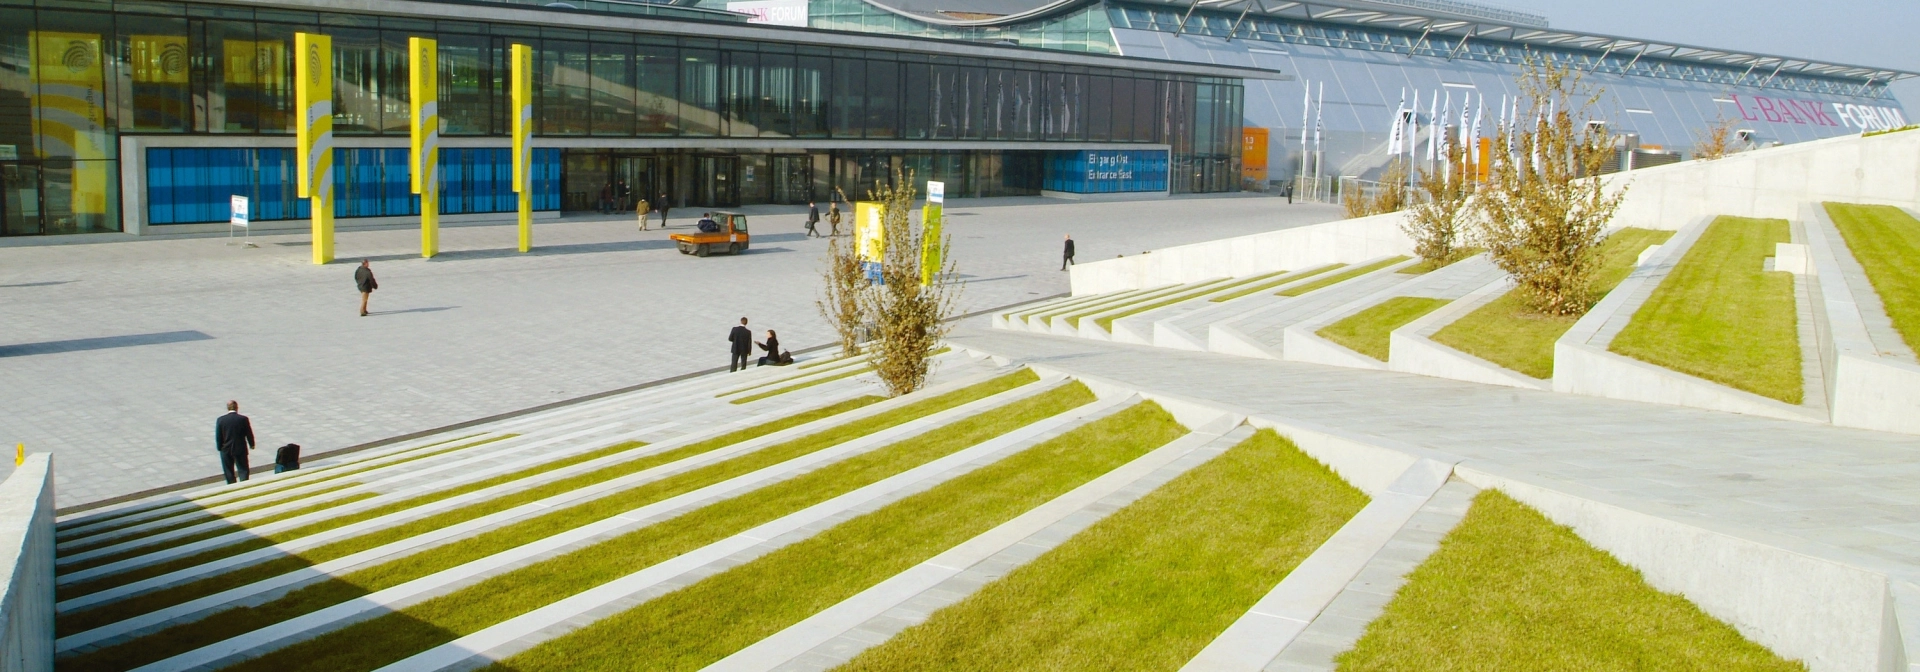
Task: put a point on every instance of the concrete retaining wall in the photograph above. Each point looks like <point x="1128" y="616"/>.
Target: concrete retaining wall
<point x="1412" y="349"/>
<point x="1774" y="182"/>
<point x="26" y="560"/>
<point x="1868" y="384"/>
<point x="1347" y="241"/>
<point x="1583" y="365"/>
<point x="1831" y="615"/>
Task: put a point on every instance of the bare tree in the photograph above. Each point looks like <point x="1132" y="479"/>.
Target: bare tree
<point x="1438" y="220"/>
<point x="1716" y="141"/>
<point x="843" y="283"/>
<point x="1541" y="220"/>
<point x="909" y="317"/>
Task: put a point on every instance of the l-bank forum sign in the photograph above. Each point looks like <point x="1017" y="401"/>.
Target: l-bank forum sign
<point x="1811" y="113"/>
<point x="773" y="12"/>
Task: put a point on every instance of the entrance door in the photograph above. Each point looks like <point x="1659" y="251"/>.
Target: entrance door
<point x="638" y="173"/>
<point x="792" y="178"/>
<point x="715" y="182"/>
<point x="584" y="177"/>
<point x="20" y="199"/>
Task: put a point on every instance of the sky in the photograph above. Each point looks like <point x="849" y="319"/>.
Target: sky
<point x="1875" y="33"/>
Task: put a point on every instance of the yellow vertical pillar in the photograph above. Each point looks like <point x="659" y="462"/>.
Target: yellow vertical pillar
<point x="522" y="56"/>
<point x="313" y="95"/>
<point x="424" y="57"/>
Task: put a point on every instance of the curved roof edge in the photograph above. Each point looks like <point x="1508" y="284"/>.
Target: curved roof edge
<point x="1041" y="12"/>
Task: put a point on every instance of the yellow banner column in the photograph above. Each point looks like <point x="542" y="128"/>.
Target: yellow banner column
<point x="313" y="95"/>
<point x="424" y="56"/>
<point x="870" y="237"/>
<point x="522" y="56"/>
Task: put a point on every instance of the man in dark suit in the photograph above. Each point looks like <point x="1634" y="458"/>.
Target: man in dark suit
<point x="813" y="219"/>
<point x="233" y="437"/>
<point x="1066" y="258"/>
<point x="742" y="340"/>
<point x="363" y="279"/>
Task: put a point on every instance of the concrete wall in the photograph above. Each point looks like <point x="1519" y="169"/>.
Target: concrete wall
<point x="1347" y="241"/>
<point x="1774" y="182"/>
<point x="1412" y="350"/>
<point x="26" y="560"/>
<point x="1869" y="384"/>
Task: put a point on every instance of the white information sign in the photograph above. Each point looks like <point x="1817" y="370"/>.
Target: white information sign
<point x="936" y="192"/>
<point x="239" y="216"/>
<point x="773" y="12"/>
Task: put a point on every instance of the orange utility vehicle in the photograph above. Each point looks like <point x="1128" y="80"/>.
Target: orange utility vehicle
<point x="730" y="236"/>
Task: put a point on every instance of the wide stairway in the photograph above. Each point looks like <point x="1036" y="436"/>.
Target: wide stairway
<point x="790" y="518"/>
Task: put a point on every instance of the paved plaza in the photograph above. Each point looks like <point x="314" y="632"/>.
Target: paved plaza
<point x="118" y="356"/>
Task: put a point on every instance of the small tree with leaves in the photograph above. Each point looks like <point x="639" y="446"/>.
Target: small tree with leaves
<point x="1391" y="195"/>
<point x="909" y="318"/>
<point x="844" y="282"/>
<point x="1716" y="141"/>
<point x="1437" y="221"/>
<point x="1541" y="220"/>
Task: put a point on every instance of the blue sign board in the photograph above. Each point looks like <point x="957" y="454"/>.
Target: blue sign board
<point x="1107" y="171"/>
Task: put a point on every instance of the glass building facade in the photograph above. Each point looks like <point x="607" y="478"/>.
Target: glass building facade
<point x="204" y="89"/>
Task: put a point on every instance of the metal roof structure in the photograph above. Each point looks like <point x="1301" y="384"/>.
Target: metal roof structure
<point x="1380" y="14"/>
<point x="1428" y="18"/>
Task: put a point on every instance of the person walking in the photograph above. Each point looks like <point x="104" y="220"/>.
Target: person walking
<point x="1066" y="256"/>
<point x="622" y="194"/>
<point x="363" y="279"/>
<point x="645" y="209"/>
<point x="606" y="199"/>
<point x="742" y="340"/>
<point x="833" y="218"/>
<point x="233" y="437"/>
<point x="813" y="219"/>
<point x="665" y="203"/>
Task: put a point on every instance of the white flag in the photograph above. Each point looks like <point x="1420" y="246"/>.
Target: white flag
<point x="1434" y="126"/>
<point x="1319" y="106"/>
<point x="1413" y="124"/>
<point x="1473" y="141"/>
<point x="1399" y="125"/>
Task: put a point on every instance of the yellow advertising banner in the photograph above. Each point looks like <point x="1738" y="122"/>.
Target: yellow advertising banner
<point x="313" y="96"/>
<point x="522" y="99"/>
<point x="424" y="58"/>
<point x="1253" y="154"/>
<point x="158" y="59"/>
<point x="70" y="115"/>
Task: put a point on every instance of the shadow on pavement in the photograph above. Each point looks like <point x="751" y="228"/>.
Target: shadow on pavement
<point x="101" y="343"/>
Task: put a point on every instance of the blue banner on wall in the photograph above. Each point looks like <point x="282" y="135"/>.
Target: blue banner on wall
<point x="1107" y="171"/>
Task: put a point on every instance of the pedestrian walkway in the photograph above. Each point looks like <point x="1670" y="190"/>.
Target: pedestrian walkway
<point x="1843" y="494"/>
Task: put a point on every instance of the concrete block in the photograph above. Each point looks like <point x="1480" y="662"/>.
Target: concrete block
<point x="26" y="563"/>
<point x="1646" y="254"/>
<point x="1347" y="241"/>
<point x="1831" y="615"/>
<point x="1791" y="258"/>
<point x="1869" y="385"/>
<point x="1412" y="350"/>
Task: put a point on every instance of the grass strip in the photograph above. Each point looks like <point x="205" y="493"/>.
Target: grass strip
<point x="1427" y="266"/>
<point x="225" y="515"/>
<point x="1507" y="333"/>
<point x="1721" y="317"/>
<point x="1370" y="332"/>
<point x="1073" y="318"/>
<point x="284" y="536"/>
<point x="376" y="642"/>
<point x="189" y="521"/>
<point x="698" y="625"/>
<point x="1074" y="303"/>
<point x="1510" y="590"/>
<point x="1340" y="277"/>
<point x="1151" y="585"/>
<point x="1110" y="300"/>
<point x="798" y="386"/>
<point x="222" y="626"/>
<point x="1886" y="242"/>
<point x="1197" y="290"/>
<point x="784" y="379"/>
<point x="239" y="621"/>
<point x="265" y="489"/>
<point x="1276" y="282"/>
